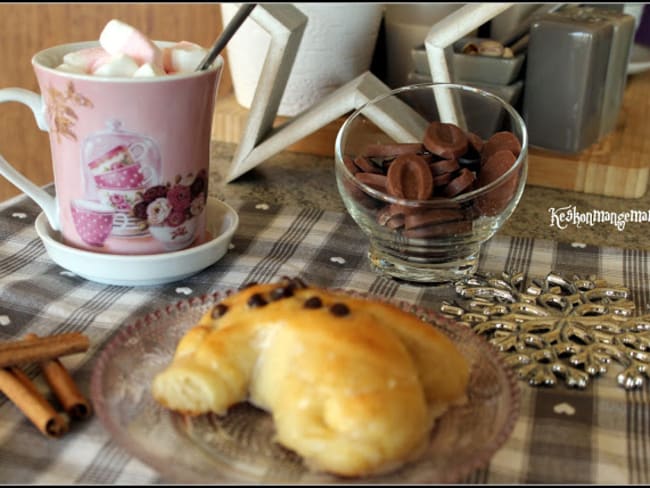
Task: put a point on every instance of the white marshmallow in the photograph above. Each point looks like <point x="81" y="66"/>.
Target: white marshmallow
<point x="119" y="65"/>
<point x="148" y="69"/>
<point x="120" y="38"/>
<point x="69" y="68"/>
<point x="183" y="57"/>
<point x="88" y="59"/>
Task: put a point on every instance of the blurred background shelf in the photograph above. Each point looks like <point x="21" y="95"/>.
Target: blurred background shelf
<point x="617" y="166"/>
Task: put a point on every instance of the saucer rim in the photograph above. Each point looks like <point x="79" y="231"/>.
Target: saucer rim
<point x="56" y="249"/>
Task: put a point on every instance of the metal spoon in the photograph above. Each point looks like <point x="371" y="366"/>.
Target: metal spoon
<point x="225" y="36"/>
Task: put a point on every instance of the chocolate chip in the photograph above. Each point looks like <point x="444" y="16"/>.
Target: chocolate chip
<point x="281" y="292"/>
<point x="313" y="302"/>
<point x="409" y="177"/>
<point x="256" y="300"/>
<point x="219" y="310"/>
<point x="446" y="140"/>
<point x="339" y="309"/>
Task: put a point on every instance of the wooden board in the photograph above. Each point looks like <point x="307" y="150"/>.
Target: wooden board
<point x="618" y="165"/>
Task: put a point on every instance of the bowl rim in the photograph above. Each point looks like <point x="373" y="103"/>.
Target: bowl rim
<point x="521" y="160"/>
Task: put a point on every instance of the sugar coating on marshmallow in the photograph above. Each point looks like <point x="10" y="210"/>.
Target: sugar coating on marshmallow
<point x="148" y="69"/>
<point x="87" y="59"/>
<point x="183" y="57"/>
<point x="118" y="65"/>
<point x="70" y="68"/>
<point x="121" y="38"/>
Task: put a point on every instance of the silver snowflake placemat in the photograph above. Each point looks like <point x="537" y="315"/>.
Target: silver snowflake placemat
<point x="556" y="328"/>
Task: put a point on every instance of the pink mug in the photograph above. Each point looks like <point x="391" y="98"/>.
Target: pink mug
<point x="165" y="120"/>
<point x="125" y="177"/>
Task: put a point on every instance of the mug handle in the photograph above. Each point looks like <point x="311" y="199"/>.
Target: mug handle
<point x="44" y="200"/>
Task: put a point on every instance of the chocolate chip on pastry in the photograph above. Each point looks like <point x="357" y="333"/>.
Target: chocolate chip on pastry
<point x="353" y="385"/>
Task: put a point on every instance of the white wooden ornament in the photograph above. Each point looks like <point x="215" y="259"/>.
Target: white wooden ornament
<point x="443" y="34"/>
<point x="286" y="25"/>
<point x="260" y="141"/>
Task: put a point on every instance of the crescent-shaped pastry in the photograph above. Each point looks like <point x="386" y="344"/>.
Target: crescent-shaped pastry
<point x="353" y="385"/>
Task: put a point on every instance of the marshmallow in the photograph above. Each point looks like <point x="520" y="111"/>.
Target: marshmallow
<point x="148" y="69"/>
<point x="120" y="38"/>
<point x="119" y="65"/>
<point x="69" y="68"/>
<point x="183" y="57"/>
<point x="126" y="52"/>
<point x="88" y="59"/>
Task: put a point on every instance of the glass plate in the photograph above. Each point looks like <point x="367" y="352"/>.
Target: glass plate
<point x="238" y="448"/>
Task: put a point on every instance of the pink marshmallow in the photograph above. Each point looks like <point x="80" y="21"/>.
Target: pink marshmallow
<point x="182" y="57"/>
<point x="88" y="59"/>
<point x="120" y="38"/>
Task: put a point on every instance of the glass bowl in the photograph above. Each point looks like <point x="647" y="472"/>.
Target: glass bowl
<point x="239" y="447"/>
<point x="428" y="226"/>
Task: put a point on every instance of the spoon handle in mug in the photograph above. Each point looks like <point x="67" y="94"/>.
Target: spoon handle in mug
<point x="225" y="36"/>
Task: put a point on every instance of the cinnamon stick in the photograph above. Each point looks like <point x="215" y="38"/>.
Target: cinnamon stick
<point x="17" y="386"/>
<point x="63" y="386"/>
<point x="42" y="348"/>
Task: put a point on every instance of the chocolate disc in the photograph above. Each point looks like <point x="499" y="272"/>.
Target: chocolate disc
<point x="459" y="184"/>
<point x="391" y="216"/>
<point x="430" y="217"/>
<point x="409" y="177"/>
<point x="364" y="164"/>
<point x="444" y="166"/>
<point x="496" y="200"/>
<point x="446" y="140"/>
<point x="499" y="141"/>
<point x="442" y="180"/>
<point x="349" y="163"/>
<point x="471" y="159"/>
<point x="439" y="230"/>
<point x="392" y="150"/>
<point x="475" y="141"/>
<point x="373" y="180"/>
<point x="496" y="165"/>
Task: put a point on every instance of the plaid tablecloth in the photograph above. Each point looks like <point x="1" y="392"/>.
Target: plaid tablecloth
<point x="600" y="435"/>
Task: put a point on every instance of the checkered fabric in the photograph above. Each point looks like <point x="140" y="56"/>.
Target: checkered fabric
<point x="600" y="435"/>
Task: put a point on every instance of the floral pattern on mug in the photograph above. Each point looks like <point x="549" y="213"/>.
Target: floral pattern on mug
<point x="175" y="203"/>
<point x="62" y="117"/>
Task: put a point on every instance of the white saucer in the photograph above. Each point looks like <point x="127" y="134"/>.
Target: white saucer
<point x="149" y="269"/>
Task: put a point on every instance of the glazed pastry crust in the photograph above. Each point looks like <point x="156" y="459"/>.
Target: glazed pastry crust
<point x="354" y="394"/>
